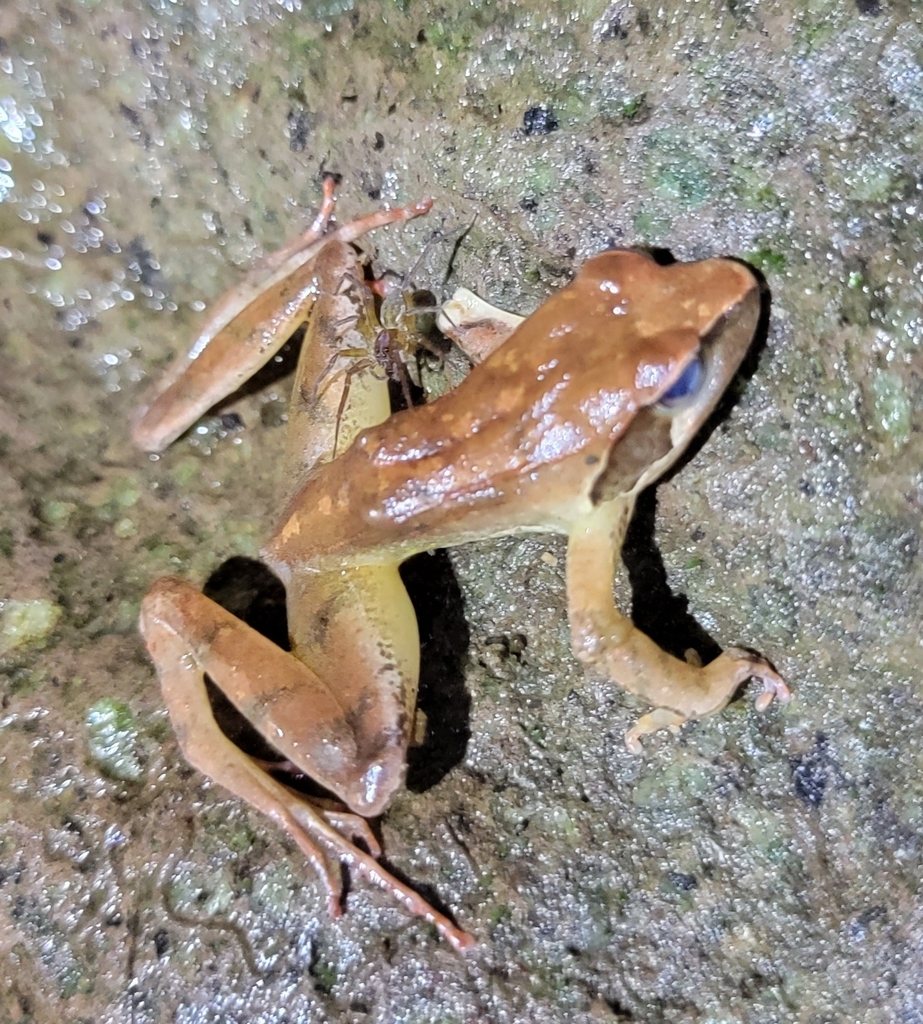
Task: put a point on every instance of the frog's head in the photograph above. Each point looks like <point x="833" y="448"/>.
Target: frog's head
<point x="686" y="330"/>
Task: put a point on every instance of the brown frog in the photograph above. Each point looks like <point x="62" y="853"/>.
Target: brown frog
<point x="567" y="418"/>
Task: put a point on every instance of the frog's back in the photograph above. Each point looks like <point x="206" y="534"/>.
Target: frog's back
<point x="520" y="443"/>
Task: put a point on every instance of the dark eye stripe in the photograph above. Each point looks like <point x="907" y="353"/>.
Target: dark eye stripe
<point x="688" y="384"/>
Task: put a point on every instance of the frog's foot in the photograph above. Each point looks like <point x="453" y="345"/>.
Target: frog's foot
<point x="356" y="828"/>
<point x="696" y="692"/>
<point x="653" y="721"/>
<point x="773" y="686"/>
<point x="324" y="837"/>
<point x="701" y="691"/>
<point x="692" y="690"/>
<point x="315" y="832"/>
<point x="477" y="327"/>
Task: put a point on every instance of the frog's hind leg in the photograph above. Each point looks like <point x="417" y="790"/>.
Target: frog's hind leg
<point x="189" y="635"/>
<point x="303" y="242"/>
<point x="246" y="327"/>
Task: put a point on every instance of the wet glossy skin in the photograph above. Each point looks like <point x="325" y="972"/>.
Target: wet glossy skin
<point x="585" y="404"/>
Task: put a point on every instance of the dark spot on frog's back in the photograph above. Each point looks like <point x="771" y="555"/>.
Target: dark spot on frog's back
<point x="320" y="623"/>
<point x="142" y="264"/>
<point x="130" y="115"/>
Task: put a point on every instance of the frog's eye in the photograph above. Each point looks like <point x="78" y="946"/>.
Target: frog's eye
<point x="686" y="385"/>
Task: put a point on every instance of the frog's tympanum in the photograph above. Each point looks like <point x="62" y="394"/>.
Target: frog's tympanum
<point x="562" y="422"/>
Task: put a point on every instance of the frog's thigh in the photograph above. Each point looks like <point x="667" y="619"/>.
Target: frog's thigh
<point x="204" y="745"/>
<point x="289" y="704"/>
<point x="182" y="628"/>
<point x="357" y="628"/>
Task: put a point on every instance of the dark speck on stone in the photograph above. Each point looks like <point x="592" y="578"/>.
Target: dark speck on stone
<point x="539" y="121"/>
<point x="273" y="413"/>
<point x="811" y="773"/>
<point x="300" y="123"/>
<point x="683" y="882"/>
<point x="141" y="263"/>
<point x="861" y="924"/>
<point x="231" y="421"/>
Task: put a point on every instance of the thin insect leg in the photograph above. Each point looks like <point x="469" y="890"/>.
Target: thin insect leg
<point x="346" y="322"/>
<point x="437" y="236"/>
<point x="462" y="235"/>
<point x="343" y="353"/>
<point x="349" y="322"/>
<point x="350" y="371"/>
<point x="341" y="408"/>
<point x="392" y="364"/>
<point x="327" y="370"/>
<point x="363" y="291"/>
<point x="349" y="279"/>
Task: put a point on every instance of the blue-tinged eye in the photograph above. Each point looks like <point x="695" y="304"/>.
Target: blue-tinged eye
<point x="688" y="383"/>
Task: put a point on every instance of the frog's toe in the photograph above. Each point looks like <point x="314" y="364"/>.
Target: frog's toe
<point x="774" y="688"/>
<point x="355" y="829"/>
<point x="752" y="666"/>
<point x="653" y="721"/>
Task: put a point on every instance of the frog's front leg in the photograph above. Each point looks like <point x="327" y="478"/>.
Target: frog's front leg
<point x="603" y="637"/>
<point x="189" y="635"/>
